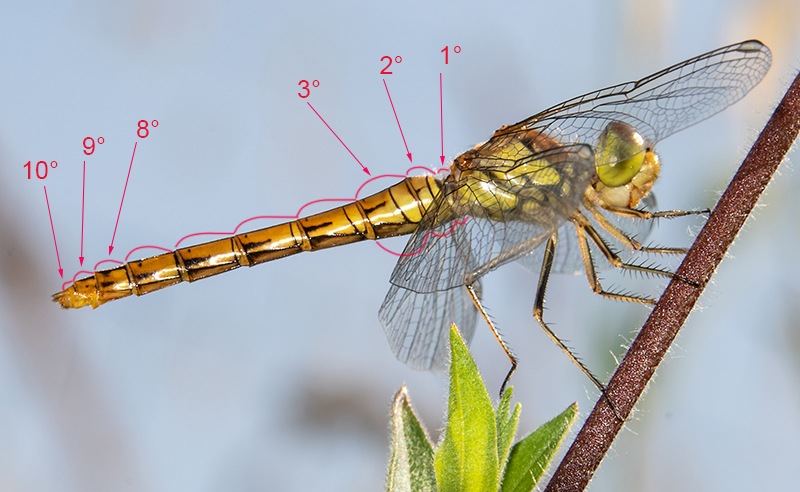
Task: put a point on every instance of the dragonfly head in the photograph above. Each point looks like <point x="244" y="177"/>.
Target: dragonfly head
<point x="626" y="165"/>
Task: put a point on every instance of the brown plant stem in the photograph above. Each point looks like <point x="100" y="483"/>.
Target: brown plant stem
<point x="648" y="349"/>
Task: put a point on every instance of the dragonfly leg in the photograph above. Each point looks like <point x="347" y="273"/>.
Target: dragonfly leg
<point x="538" y="314"/>
<point x="663" y="214"/>
<point x="581" y="222"/>
<point x="586" y="231"/>
<point x="511" y="357"/>
<point x="538" y="311"/>
<point x="593" y="201"/>
<point x="630" y="242"/>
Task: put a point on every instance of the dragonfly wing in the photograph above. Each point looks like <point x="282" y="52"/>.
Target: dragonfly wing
<point x="567" y="258"/>
<point x="417" y="325"/>
<point x="437" y="254"/>
<point x="660" y="104"/>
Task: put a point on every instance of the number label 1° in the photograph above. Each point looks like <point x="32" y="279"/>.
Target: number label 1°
<point x="446" y="51"/>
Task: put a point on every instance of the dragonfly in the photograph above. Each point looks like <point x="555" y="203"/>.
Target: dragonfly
<point x="557" y="190"/>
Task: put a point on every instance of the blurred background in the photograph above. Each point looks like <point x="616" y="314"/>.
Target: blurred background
<point x="279" y="377"/>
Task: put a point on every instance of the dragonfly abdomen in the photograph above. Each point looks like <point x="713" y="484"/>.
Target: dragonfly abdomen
<point x="394" y="211"/>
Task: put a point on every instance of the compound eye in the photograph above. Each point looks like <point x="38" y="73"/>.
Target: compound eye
<point x="619" y="154"/>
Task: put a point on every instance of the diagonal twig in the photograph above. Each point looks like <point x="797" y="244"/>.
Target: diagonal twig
<point x="648" y="349"/>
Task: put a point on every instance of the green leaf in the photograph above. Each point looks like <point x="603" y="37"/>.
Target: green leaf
<point x="411" y="465"/>
<point x="506" y="426"/>
<point x="476" y="443"/>
<point x="530" y="457"/>
<point x="467" y="458"/>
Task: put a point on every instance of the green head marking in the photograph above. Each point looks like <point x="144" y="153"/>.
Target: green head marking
<point x="619" y="154"/>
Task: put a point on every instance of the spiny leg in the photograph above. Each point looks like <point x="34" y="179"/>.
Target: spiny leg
<point x="538" y="310"/>
<point x="662" y="214"/>
<point x="593" y="201"/>
<point x="586" y="231"/>
<point x="479" y="306"/>
<point x="472" y="277"/>
<point x="628" y="241"/>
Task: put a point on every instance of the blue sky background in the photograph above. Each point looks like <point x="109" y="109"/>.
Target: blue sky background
<point x="279" y="377"/>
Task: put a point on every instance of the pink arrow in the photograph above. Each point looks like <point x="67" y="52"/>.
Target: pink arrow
<point x="408" y="152"/>
<point x="83" y="201"/>
<point x="441" y="117"/>
<point x="363" y="167"/>
<point x="52" y="228"/>
<point x="125" y="189"/>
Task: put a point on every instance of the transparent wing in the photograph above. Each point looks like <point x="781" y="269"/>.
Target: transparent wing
<point x="567" y="258"/>
<point x="438" y="253"/>
<point x="660" y="104"/>
<point x="451" y="243"/>
<point x="417" y="325"/>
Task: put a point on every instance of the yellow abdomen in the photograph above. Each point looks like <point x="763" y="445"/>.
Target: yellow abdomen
<point x="394" y="211"/>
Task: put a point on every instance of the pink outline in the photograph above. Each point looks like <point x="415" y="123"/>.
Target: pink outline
<point x="427" y="235"/>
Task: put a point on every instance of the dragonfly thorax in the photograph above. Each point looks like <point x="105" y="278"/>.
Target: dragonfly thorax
<point x="626" y="166"/>
<point x="518" y="177"/>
